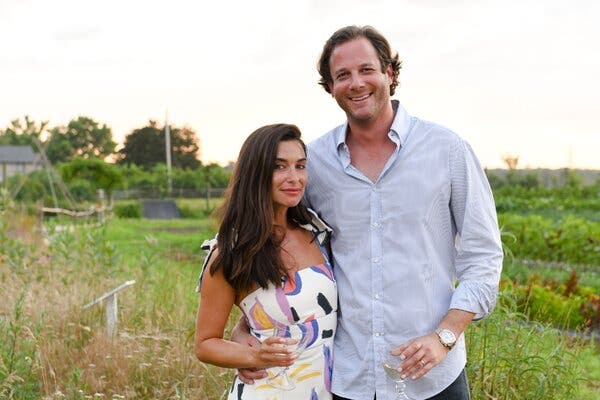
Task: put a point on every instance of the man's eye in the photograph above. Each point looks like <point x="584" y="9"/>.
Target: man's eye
<point x="301" y="166"/>
<point x="341" y="76"/>
<point x="279" y="166"/>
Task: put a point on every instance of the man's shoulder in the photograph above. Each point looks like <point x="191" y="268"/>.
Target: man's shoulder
<point x="434" y="128"/>
<point x="325" y="142"/>
<point x="434" y="132"/>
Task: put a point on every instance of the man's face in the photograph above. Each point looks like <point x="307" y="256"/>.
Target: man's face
<point x="359" y="86"/>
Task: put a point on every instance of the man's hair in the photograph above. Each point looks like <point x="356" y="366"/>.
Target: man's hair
<point x="348" y="33"/>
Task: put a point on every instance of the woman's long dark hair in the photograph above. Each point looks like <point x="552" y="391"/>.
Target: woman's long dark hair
<point x="248" y="241"/>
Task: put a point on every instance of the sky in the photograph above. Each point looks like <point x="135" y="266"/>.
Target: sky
<point x="513" y="78"/>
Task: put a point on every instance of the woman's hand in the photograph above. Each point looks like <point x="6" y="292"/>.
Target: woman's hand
<point x="267" y="354"/>
<point x="275" y="352"/>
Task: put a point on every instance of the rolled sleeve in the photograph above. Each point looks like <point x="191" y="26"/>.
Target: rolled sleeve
<point x="479" y="254"/>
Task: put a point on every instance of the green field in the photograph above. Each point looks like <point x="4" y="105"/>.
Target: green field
<point x="52" y="349"/>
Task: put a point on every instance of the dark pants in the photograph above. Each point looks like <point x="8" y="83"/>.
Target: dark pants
<point x="458" y="390"/>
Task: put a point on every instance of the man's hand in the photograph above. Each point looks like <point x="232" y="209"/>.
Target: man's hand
<point x="241" y="335"/>
<point x="420" y="355"/>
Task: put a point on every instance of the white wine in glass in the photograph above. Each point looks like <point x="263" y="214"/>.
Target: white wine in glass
<point x="390" y="364"/>
<point x="299" y="332"/>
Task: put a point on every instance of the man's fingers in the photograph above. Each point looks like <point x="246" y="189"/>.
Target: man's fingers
<point x="249" y="375"/>
<point x="407" y="350"/>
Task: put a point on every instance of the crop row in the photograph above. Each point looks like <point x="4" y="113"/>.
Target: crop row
<point x="573" y="240"/>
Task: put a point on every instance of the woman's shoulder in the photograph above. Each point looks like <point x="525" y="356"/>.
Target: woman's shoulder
<point x="210" y="246"/>
<point x="318" y="227"/>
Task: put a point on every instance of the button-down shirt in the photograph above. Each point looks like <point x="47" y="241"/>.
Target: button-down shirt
<point x="419" y="241"/>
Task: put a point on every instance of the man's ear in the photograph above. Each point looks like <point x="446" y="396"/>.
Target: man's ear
<point x="330" y="86"/>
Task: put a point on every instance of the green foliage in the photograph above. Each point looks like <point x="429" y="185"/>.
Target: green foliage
<point x="551" y="205"/>
<point x="520" y="272"/>
<point x="128" y="209"/>
<point x="82" y="137"/>
<point x="19" y="361"/>
<point x="100" y="174"/>
<point x="153" y="182"/>
<point x="84" y="176"/>
<point x="13" y="252"/>
<point x="573" y="240"/>
<point x="28" y="188"/>
<point x="82" y="190"/>
<point x="514" y="179"/>
<point x="77" y="246"/>
<point x="145" y="147"/>
<point x="217" y="176"/>
<point x="511" y="358"/>
<point x="22" y="132"/>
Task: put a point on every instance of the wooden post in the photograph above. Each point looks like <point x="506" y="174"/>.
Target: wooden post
<point x="111" y="315"/>
<point x="101" y="205"/>
<point x="111" y="307"/>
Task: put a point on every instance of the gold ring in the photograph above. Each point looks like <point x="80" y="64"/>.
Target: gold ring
<point x="422" y="363"/>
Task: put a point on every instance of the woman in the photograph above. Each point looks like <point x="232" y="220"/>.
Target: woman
<point x="271" y="262"/>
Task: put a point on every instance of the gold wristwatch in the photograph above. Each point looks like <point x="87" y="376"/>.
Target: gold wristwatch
<point x="447" y="337"/>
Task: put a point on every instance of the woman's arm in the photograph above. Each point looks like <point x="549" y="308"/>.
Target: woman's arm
<point x="216" y="300"/>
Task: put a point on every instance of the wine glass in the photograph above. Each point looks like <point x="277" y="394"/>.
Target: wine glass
<point x="298" y="332"/>
<point x="390" y="364"/>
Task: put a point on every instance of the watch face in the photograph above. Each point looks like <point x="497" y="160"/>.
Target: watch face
<point x="447" y="336"/>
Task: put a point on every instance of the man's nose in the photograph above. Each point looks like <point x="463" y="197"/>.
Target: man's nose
<point x="356" y="81"/>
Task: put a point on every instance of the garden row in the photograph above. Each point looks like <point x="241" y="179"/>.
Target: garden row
<point x="571" y="239"/>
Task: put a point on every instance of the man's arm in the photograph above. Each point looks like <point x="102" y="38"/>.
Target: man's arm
<point x="478" y="261"/>
<point x="241" y="334"/>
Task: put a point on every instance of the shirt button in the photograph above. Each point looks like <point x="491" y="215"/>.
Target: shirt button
<point x="376" y="297"/>
<point x="377" y="334"/>
<point x="375" y="224"/>
<point x="375" y="260"/>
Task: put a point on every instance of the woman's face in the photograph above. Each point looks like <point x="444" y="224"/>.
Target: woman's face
<point x="289" y="174"/>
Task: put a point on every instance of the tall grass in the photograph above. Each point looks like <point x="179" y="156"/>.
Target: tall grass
<point x="52" y="349"/>
<point x="511" y="358"/>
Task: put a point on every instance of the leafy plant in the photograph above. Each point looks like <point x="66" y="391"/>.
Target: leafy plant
<point x="19" y="361"/>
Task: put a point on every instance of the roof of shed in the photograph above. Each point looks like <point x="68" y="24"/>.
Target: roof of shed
<point x="17" y="154"/>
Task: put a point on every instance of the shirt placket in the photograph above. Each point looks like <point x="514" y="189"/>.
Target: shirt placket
<point x="376" y="240"/>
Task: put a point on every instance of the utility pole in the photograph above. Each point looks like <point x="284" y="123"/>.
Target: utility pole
<point x="168" y="154"/>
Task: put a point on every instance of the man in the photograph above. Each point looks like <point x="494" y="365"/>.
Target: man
<point x="412" y="214"/>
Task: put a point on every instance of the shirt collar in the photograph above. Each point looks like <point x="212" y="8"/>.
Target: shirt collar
<point x="398" y="131"/>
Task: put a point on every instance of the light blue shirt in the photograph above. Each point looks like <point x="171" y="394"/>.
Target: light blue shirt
<point x="400" y="246"/>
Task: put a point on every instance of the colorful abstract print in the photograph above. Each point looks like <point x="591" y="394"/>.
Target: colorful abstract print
<point x="309" y="297"/>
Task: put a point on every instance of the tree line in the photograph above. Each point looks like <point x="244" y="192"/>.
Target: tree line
<point x="85" y="137"/>
<point x="85" y="158"/>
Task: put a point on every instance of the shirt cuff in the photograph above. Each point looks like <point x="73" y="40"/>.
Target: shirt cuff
<point x="475" y="297"/>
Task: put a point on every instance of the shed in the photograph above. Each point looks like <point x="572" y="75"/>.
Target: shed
<point x="17" y="160"/>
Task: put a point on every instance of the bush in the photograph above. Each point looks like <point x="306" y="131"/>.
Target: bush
<point x="565" y="306"/>
<point x="128" y="210"/>
<point x="82" y="190"/>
